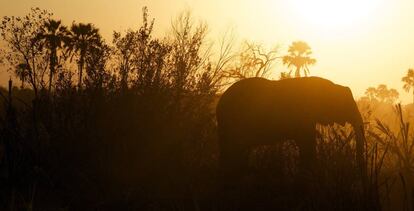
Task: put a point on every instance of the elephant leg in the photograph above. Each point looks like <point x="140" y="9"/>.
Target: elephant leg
<point x="233" y="164"/>
<point x="307" y="150"/>
<point x="307" y="160"/>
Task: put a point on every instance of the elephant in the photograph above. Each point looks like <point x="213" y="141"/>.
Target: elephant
<point x="255" y="112"/>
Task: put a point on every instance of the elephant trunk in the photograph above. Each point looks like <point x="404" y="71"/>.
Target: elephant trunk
<point x="360" y="138"/>
<point x="358" y="126"/>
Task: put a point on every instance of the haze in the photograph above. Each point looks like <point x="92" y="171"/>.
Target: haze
<point x="356" y="43"/>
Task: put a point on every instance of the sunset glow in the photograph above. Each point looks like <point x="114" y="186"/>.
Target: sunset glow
<point x="336" y="14"/>
<point x="371" y="39"/>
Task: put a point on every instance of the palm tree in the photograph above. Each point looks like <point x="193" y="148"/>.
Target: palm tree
<point x="53" y="33"/>
<point x="22" y="72"/>
<point x="83" y="38"/>
<point x="408" y="80"/>
<point x="299" y="56"/>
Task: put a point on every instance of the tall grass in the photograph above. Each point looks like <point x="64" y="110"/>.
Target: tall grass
<point x="170" y="162"/>
<point x="399" y="162"/>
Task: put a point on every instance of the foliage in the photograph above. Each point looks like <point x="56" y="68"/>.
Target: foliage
<point x="408" y="80"/>
<point x="25" y="54"/>
<point x="253" y="61"/>
<point x="299" y="57"/>
<point x="400" y="144"/>
<point x="53" y="33"/>
<point x="382" y="94"/>
<point x="83" y="39"/>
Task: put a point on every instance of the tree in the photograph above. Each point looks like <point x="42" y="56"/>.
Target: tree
<point x="408" y="80"/>
<point x="24" y="52"/>
<point x="188" y="60"/>
<point x="299" y="57"/>
<point x="125" y="48"/>
<point x="54" y="34"/>
<point x="371" y="94"/>
<point x="21" y="72"/>
<point x="387" y="95"/>
<point x="382" y="94"/>
<point x="95" y="65"/>
<point x="253" y="61"/>
<point x="82" y="39"/>
<point x="132" y="51"/>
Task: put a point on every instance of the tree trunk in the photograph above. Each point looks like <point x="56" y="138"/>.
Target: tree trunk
<point x="81" y="61"/>
<point x="297" y="72"/>
<point x="34" y="77"/>
<point x="52" y="68"/>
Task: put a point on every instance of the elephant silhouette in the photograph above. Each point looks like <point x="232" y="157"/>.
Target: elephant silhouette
<point x="256" y="111"/>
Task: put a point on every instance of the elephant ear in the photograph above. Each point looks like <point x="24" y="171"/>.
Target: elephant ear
<point x="340" y="104"/>
<point x="344" y="96"/>
<point x="351" y="100"/>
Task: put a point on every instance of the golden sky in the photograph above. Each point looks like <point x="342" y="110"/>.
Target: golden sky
<point x="358" y="43"/>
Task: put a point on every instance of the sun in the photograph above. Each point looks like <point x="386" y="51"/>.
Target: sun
<point x="334" y="14"/>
